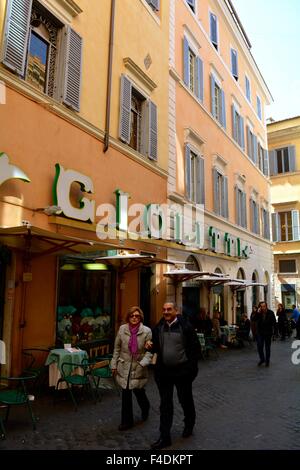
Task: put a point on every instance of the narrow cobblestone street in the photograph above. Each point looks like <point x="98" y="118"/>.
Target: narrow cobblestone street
<point x="239" y="406"/>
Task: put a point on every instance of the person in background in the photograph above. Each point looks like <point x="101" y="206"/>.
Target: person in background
<point x="220" y="338"/>
<point x="266" y="322"/>
<point x="282" y="321"/>
<point x="177" y="347"/>
<point x="129" y="365"/>
<point x="253" y="318"/>
<point x="296" y="317"/>
<point x="244" y="329"/>
<point x="201" y="320"/>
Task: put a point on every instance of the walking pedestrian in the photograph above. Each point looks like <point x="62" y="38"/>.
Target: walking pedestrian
<point x="296" y="317"/>
<point x="129" y="365"/>
<point x="176" y="344"/>
<point x="282" y="321"/>
<point x="265" y="323"/>
<point x="253" y="318"/>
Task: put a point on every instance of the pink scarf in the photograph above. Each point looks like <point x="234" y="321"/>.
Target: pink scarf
<point x="133" y="345"/>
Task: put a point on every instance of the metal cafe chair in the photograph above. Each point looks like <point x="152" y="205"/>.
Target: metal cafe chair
<point x="75" y="375"/>
<point x="34" y="365"/>
<point x="13" y="392"/>
<point x="100" y="370"/>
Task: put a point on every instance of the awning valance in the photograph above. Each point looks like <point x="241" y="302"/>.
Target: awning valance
<point x="41" y="242"/>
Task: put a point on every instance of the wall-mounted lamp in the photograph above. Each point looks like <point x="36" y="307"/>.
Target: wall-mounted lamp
<point x="49" y="210"/>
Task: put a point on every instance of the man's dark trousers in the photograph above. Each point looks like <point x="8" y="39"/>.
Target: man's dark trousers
<point x="183" y="384"/>
<point x="264" y="340"/>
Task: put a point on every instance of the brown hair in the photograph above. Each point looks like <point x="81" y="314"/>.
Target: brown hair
<point x="134" y="309"/>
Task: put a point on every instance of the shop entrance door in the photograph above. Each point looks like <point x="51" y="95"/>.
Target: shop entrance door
<point x="191" y="303"/>
<point x="145" y="293"/>
<point x="240" y="305"/>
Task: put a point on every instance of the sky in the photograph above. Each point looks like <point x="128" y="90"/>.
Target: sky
<point x="273" y="28"/>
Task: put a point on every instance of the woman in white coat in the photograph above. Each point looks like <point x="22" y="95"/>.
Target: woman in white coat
<point x="129" y="365"/>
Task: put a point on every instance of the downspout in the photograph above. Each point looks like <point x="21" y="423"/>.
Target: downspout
<point x="109" y="74"/>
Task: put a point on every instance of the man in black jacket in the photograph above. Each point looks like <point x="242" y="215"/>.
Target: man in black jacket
<point x="176" y="344"/>
<point x="265" y="322"/>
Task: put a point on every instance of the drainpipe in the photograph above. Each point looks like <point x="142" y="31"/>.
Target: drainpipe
<point x="109" y="74"/>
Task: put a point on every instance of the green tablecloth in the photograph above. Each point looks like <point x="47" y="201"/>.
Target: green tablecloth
<point x="63" y="355"/>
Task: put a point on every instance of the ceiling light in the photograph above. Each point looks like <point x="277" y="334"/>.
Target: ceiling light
<point x="95" y="267"/>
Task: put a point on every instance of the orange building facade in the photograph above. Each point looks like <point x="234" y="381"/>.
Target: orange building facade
<point x="82" y="124"/>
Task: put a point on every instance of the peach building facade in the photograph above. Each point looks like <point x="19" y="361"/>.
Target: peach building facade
<point x="284" y="154"/>
<point x="83" y="123"/>
<point x="218" y="152"/>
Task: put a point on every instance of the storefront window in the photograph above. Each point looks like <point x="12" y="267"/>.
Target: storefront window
<point x="85" y="302"/>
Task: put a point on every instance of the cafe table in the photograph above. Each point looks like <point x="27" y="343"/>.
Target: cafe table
<point x="57" y="357"/>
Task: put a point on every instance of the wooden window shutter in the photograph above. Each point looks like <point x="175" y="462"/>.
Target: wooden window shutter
<point x="16" y="35"/>
<point x="199" y="69"/>
<point x="200" y="190"/>
<point x="249" y="143"/>
<point x="266" y="162"/>
<point x="244" y="210"/>
<point x="268" y="225"/>
<point x="223" y="110"/>
<point x="255" y="149"/>
<point x="276" y="227"/>
<point x="212" y="93"/>
<point x="273" y="163"/>
<point x="242" y="133"/>
<point x="295" y="224"/>
<point x="225" y="197"/>
<point x="216" y="191"/>
<point x="152" y="149"/>
<point x="292" y="157"/>
<point x="125" y="109"/>
<point x="188" y="181"/>
<point x="237" y="205"/>
<point x="72" y="72"/>
<point x="186" y="72"/>
<point x="234" y="123"/>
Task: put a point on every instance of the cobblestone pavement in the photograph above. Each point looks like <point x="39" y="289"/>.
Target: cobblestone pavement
<point x="239" y="406"/>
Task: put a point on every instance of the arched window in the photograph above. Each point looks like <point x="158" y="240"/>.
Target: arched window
<point x="192" y="264"/>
